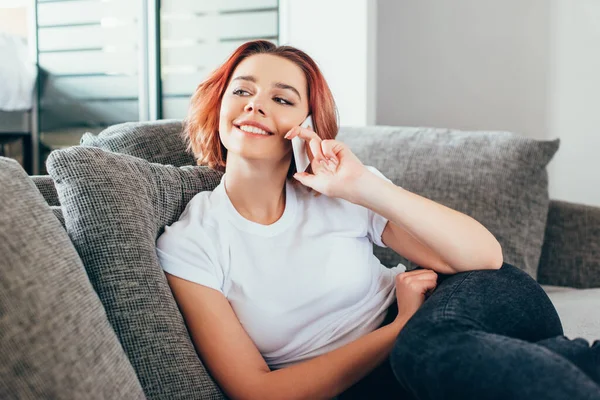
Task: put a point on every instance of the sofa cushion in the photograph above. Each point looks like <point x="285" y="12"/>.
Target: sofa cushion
<point x="56" y="340"/>
<point x="57" y="211"/>
<point x="498" y="178"/>
<point x="157" y="141"/>
<point x="115" y="206"/>
<point x="578" y="310"/>
<point x="45" y="185"/>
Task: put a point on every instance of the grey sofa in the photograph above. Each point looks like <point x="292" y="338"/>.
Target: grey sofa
<point x="88" y="313"/>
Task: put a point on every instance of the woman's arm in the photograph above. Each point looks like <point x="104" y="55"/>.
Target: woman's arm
<point x="424" y="230"/>
<point x="328" y="375"/>
<point x="239" y="369"/>
<point x="438" y="232"/>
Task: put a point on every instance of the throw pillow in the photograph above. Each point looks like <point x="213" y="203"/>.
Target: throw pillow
<point x="498" y="178"/>
<point x="115" y="206"/>
<point x="56" y="340"/>
<point x="157" y="141"/>
<point x="571" y="251"/>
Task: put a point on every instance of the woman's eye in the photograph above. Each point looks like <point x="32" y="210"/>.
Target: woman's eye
<point x="242" y="92"/>
<point x="282" y="101"/>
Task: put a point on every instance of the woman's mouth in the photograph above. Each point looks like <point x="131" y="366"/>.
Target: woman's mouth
<point x="253" y="130"/>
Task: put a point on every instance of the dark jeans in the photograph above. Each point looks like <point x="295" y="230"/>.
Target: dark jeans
<point x="485" y="335"/>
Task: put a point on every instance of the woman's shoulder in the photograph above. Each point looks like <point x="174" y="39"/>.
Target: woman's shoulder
<point x="200" y="214"/>
<point x="333" y="209"/>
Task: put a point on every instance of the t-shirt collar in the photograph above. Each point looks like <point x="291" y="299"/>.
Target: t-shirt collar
<point x="253" y="227"/>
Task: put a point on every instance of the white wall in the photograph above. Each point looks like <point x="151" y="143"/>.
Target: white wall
<point x="531" y="67"/>
<point x="574" y="100"/>
<point x="340" y="36"/>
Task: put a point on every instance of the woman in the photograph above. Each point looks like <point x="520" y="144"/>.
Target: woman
<point x="279" y="286"/>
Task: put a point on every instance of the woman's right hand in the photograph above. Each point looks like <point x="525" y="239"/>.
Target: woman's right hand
<point x="411" y="290"/>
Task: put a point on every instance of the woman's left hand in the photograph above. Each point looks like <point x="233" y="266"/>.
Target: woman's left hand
<point x="335" y="169"/>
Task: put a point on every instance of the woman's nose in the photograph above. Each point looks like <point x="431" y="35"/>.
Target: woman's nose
<point x="254" y="106"/>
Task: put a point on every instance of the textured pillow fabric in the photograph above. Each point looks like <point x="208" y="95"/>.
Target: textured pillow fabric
<point x="57" y="211"/>
<point x="45" y="185"/>
<point x="498" y="178"/>
<point x="157" y="141"/>
<point x="56" y="341"/>
<point x="115" y="206"/>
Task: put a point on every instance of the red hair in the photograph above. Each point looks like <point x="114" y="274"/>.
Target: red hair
<point x="202" y="123"/>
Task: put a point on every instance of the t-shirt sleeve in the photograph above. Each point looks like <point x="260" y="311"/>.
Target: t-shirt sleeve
<point x="376" y="223"/>
<point x="189" y="252"/>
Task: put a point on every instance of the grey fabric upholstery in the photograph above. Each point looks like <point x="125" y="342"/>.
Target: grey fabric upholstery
<point x="115" y="207"/>
<point x="56" y="340"/>
<point x="57" y="211"/>
<point x="45" y="185"/>
<point x="578" y="311"/>
<point x="571" y="251"/>
<point x="158" y="141"/>
<point x="497" y="178"/>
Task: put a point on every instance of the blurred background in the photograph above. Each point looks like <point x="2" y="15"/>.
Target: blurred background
<point x="531" y="67"/>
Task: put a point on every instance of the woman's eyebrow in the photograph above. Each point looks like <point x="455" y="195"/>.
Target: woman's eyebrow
<point x="288" y="87"/>
<point x="279" y="85"/>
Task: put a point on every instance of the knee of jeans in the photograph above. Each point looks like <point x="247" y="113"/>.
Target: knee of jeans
<point x="410" y="346"/>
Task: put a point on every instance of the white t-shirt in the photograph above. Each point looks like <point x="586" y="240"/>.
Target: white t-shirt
<point x="302" y="286"/>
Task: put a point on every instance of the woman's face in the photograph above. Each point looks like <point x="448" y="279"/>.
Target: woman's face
<point x="266" y="94"/>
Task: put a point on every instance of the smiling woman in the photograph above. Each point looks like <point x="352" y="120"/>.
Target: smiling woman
<point x="281" y="291"/>
<point x="282" y="77"/>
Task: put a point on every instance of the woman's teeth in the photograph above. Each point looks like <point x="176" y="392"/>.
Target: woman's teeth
<point x="253" y="129"/>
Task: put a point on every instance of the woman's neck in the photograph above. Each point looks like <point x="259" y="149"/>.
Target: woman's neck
<point x="257" y="196"/>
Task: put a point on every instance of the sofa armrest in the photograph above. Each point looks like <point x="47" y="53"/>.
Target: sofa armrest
<point x="571" y="250"/>
<point x="45" y="185"/>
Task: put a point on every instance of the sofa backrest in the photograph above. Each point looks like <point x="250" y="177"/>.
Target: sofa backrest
<point x="571" y="251"/>
<point x="497" y="177"/>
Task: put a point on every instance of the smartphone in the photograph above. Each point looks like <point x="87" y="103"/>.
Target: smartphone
<point x="299" y="147"/>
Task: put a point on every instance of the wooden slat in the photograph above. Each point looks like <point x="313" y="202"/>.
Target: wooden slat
<point x="86" y="11"/>
<point x="235" y="5"/>
<point x="89" y="62"/>
<point x="91" y="87"/>
<point x="226" y="26"/>
<point x="88" y="113"/>
<point x="191" y="27"/>
<point x="175" y="107"/>
<point x="193" y="56"/>
<point x="256" y="24"/>
<point x="181" y="83"/>
<point x="85" y="37"/>
<point x="205" y="56"/>
<point x="188" y="6"/>
<point x="202" y="6"/>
